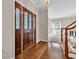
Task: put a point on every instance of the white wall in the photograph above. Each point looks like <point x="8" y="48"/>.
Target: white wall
<point x="43" y="24"/>
<point x="64" y="21"/>
<point x="8" y="27"/>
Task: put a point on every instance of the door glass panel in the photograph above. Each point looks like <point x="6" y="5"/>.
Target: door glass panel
<point x="34" y="22"/>
<point x="30" y="21"/>
<point x="25" y="20"/>
<point x="17" y="18"/>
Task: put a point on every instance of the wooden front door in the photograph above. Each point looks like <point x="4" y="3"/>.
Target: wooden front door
<point x="28" y="28"/>
<point x="25" y="28"/>
<point x="17" y="28"/>
<point x="30" y="35"/>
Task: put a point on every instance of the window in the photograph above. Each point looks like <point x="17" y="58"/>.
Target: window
<point x="17" y="18"/>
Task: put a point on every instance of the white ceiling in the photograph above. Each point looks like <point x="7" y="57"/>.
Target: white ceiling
<point x="39" y="4"/>
<point x="61" y="8"/>
<point x="57" y="8"/>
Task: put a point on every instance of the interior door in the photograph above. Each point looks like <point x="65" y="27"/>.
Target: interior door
<point x="25" y="28"/>
<point x="30" y="32"/>
<point x="17" y="28"/>
<point x="34" y="28"/>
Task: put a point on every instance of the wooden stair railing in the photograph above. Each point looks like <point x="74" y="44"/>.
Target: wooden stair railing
<point x="66" y="37"/>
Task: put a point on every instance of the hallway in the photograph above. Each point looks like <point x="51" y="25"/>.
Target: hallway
<point x="36" y="29"/>
<point x="43" y="51"/>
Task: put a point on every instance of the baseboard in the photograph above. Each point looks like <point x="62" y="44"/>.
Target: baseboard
<point x="44" y="40"/>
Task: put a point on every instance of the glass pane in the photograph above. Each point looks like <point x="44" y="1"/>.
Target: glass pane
<point x="34" y="22"/>
<point x="30" y="21"/>
<point x="17" y="18"/>
<point x="25" y="20"/>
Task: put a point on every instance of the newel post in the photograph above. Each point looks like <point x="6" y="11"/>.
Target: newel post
<point x="66" y="44"/>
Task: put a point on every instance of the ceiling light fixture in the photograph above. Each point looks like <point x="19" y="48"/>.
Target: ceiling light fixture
<point x="46" y="2"/>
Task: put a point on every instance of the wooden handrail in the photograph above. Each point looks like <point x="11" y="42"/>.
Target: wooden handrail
<point x="71" y="28"/>
<point x="66" y="37"/>
<point x="71" y="24"/>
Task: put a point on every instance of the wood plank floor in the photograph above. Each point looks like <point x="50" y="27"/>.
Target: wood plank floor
<point x="43" y="51"/>
<point x="53" y="51"/>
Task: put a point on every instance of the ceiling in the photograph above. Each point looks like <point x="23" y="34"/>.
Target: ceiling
<point x="39" y="4"/>
<point x="61" y="8"/>
<point x="57" y="8"/>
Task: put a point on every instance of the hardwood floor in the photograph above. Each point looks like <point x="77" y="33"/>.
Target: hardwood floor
<point x="43" y="51"/>
<point x="53" y="51"/>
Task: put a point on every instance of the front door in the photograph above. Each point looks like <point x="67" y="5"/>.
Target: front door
<point x="25" y="28"/>
<point x="17" y="28"/>
<point x="28" y="28"/>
